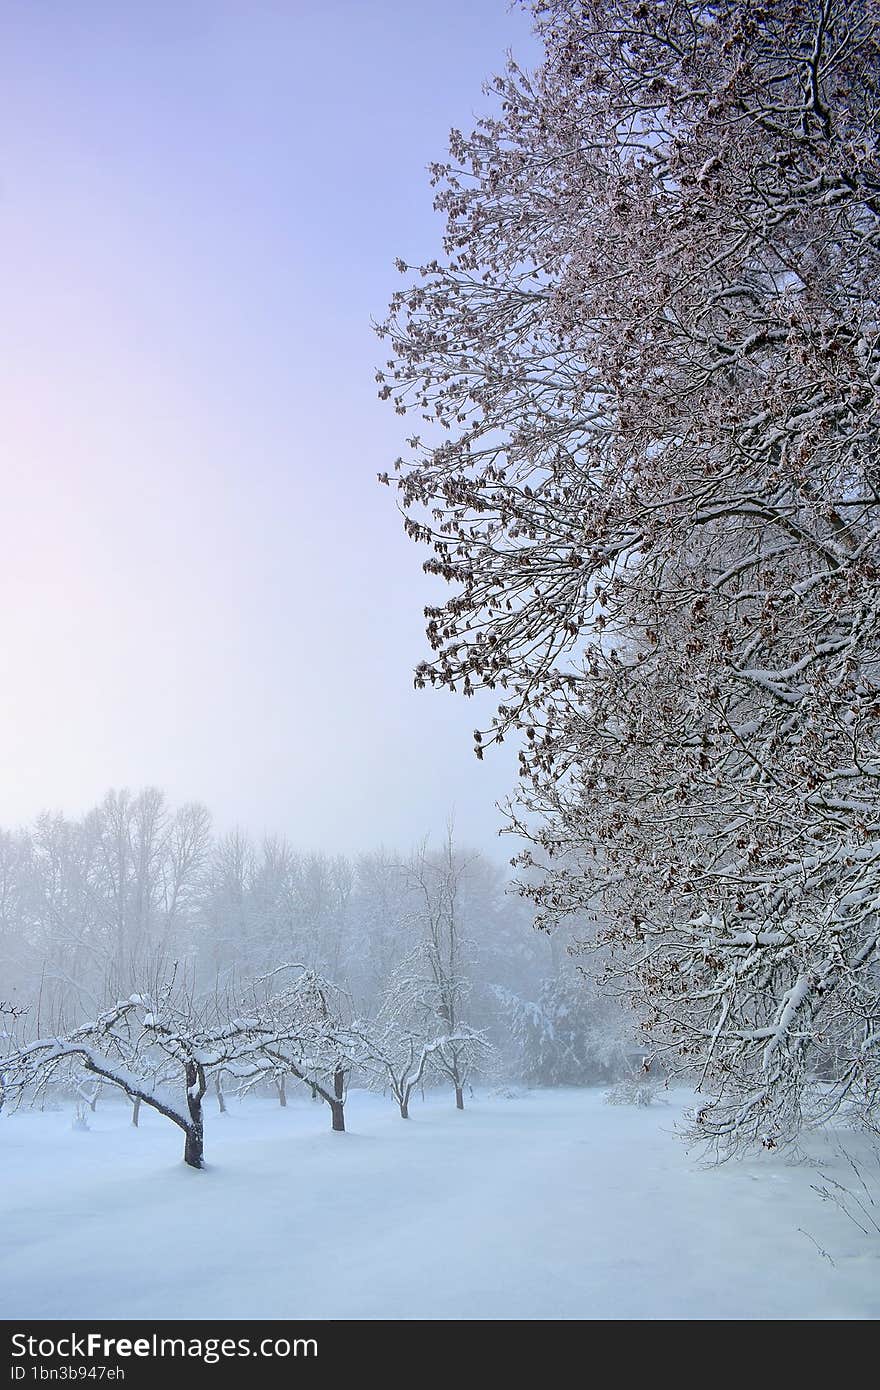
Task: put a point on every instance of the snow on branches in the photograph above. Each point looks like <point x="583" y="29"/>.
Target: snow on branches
<point x="161" y="1048"/>
<point x="412" y="1038"/>
<point x="647" y="374"/>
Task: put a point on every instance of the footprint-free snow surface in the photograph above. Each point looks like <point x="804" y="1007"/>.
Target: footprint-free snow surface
<point x="544" y="1204"/>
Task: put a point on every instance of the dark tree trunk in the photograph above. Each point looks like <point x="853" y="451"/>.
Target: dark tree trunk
<point x="404" y="1108"/>
<point x="193" y="1152"/>
<point x="337" y="1110"/>
<point x="136" y="1111"/>
<point x="315" y="1095"/>
<point x="221" y="1099"/>
<point x="194" y="1149"/>
<point x="459" y="1098"/>
<point x="339" y="1083"/>
<point x="282" y="1093"/>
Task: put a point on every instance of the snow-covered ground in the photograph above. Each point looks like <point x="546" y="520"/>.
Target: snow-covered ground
<point x="541" y="1205"/>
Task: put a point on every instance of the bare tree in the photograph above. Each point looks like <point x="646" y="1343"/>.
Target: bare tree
<point x="407" y="1035"/>
<point x="442" y="958"/>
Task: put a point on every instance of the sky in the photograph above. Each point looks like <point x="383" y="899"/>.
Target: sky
<point x="202" y="585"/>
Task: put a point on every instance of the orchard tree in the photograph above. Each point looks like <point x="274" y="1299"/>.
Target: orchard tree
<point x="304" y="1027"/>
<point x="644" y="376"/>
<point x="157" y="1060"/>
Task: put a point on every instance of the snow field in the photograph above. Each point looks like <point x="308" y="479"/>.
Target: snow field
<point x="543" y="1205"/>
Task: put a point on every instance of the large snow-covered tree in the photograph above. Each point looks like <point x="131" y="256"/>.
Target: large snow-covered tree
<point x="645" y="373"/>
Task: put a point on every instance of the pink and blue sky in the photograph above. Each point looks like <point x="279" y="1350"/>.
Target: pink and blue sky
<point x="203" y="586"/>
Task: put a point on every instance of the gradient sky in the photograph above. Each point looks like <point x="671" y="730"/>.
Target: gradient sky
<point x="203" y="586"/>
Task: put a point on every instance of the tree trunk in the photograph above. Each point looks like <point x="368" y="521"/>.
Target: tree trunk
<point x="282" y="1093"/>
<point x="221" y="1099"/>
<point x="337" y="1110"/>
<point x="94" y="1100"/>
<point x="193" y="1152"/>
<point x="459" y="1098"/>
<point x="339" y="1083"/>
<point x="136" y="1111"/>
<point x="404" y="1108"/>
<point x="315" y="1095"/>
<point x="194" y="1149"/>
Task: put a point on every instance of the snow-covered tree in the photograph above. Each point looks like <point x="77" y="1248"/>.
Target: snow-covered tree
<point x="162" y="1045"/>
<point x="409" y="1041"/>
<point x="568" y="1035"/>
<point x="157" y="1059"/>
<point x="441" y="964"/>
<point x="304" y="1028"/>
<point x="646" y="375"/>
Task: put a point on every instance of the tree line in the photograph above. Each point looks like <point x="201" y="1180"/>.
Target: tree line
<point x="144" y="952"/>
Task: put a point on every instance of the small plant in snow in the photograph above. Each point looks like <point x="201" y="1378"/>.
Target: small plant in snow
<point x="632" y="1090"/>
<point x="859" y="1197"/>
<point x="506" y="1093"/>
<point x="81" y="1117"/>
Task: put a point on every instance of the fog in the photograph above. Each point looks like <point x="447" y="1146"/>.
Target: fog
<point x="204" y="587"/>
